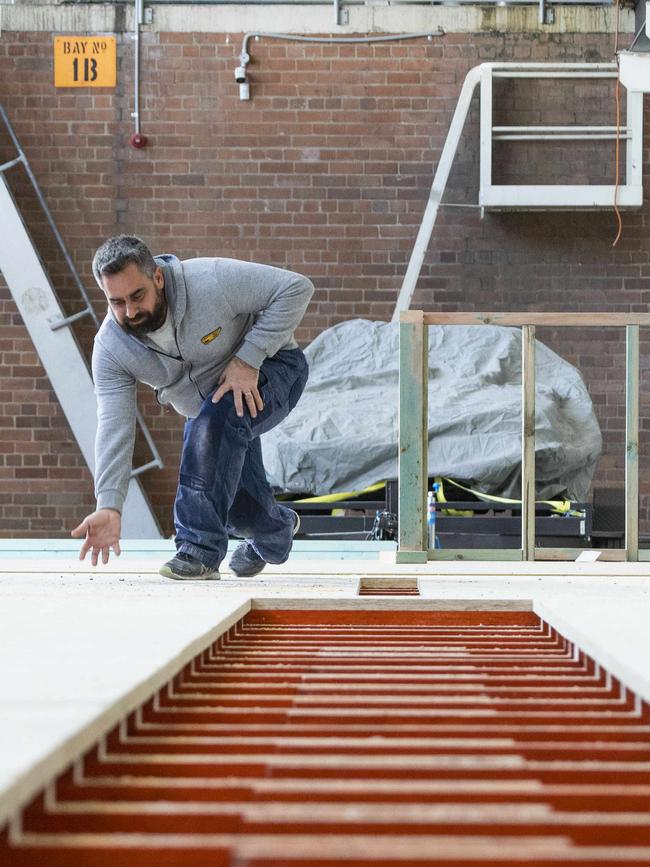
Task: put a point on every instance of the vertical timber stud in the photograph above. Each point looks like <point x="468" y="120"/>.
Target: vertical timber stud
<point x="632" y="443"/>
<point x="413" y="437"/>
<point x="528" y="442"/>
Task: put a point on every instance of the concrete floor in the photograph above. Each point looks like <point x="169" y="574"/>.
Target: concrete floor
<point x="82" y="647"/>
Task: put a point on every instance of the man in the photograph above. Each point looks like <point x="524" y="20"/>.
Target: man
<point x="214" y="338"/>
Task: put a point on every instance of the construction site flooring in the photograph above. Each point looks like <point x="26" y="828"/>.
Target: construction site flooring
<point x="82" y="647"/>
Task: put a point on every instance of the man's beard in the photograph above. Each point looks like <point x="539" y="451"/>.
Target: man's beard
<point x="149" y="322"/>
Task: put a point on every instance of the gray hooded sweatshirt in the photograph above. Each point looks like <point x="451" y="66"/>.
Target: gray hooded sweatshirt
<point x="220" y="308"/>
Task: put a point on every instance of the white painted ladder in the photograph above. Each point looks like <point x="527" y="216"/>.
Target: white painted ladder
<point x="59" y="351"/>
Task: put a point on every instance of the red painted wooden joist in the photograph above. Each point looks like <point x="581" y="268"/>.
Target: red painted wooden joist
<point x="322" y="738"/>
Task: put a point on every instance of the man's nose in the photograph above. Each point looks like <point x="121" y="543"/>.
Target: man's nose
<point x="131" y="311"/>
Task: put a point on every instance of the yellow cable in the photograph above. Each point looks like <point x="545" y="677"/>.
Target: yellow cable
<point x="561" y="507"/>
<point x="346" y="495"/>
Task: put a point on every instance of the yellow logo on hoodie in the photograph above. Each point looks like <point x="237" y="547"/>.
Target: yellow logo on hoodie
<point x="208" y="338"/>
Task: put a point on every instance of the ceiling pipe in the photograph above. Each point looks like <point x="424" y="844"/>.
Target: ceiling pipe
<point x="241" y="76"/>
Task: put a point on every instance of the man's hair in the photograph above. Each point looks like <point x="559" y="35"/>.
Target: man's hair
<point x="119" y="252"/>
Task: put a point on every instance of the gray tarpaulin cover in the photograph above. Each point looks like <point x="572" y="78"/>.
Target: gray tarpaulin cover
<point x="343" y="434"/>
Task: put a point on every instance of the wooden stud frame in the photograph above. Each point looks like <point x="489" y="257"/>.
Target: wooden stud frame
<point x="413" y="433"/>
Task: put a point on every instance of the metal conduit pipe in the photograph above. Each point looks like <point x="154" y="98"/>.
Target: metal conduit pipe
<point x="244" y="58"/>
<point x="137" y="140"/>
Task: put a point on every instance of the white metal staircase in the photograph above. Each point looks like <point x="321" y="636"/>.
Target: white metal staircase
<point x="57" y="346"/>
<point x="627" y="194"/>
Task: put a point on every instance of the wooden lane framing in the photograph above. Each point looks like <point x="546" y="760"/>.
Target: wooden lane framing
<point x="528" y="442"/>
<point x="413" y="432"/>
<point x="553" y="320"/>
<point x="325" y="737"/>
<point x="632" y="442"/>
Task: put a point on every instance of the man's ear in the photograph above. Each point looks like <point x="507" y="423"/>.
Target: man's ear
<point x="158" y="278"/>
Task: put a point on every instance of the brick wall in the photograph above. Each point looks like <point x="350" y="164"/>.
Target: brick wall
<point x="326" y="171"/>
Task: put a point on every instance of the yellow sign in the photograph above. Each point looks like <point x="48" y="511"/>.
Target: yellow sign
<point x="85" y="61"/>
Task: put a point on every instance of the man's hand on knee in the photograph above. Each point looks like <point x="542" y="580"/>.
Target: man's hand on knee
<point x="102" y="534"/>
<point x="241" y="379"/>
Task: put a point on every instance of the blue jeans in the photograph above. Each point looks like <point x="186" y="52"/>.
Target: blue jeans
<point x="222" y="483"/>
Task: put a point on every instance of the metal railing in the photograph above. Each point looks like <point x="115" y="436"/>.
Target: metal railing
<point x="88" y="309"/>
<point x="413" y="433"/>
<point x="629" y="193"/>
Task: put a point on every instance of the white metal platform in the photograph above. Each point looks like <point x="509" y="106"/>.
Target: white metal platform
<point x="491" y="196"/>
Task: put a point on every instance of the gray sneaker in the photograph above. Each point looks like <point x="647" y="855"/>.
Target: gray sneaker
<point x="246" y="562"/>
<point x="184" y="567"/>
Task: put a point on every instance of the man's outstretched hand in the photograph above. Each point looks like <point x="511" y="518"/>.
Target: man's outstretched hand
<point x="241" y="379"/>
<point x="102" y="534"/>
